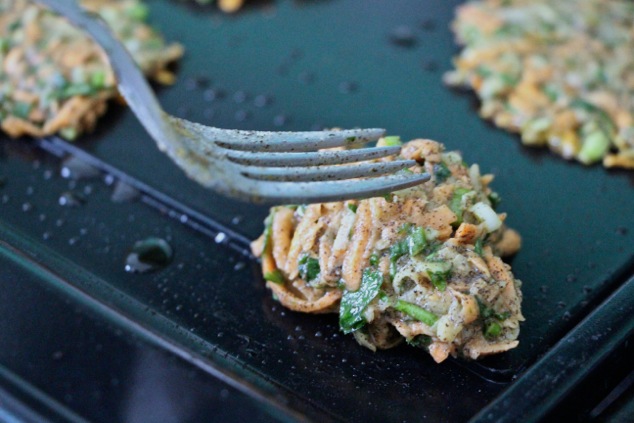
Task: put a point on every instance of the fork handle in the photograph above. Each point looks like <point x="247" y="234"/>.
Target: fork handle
<point x="131" y="82"/>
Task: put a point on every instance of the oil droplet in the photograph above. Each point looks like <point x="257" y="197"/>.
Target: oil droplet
<point x="27" y="207"/>
<point x="280" y="120"/>
<point x="242" y="115"/>
<point x="240" y="96"/>
<point x="75" y="168"/>
<point x="109" y="179"/>
<point x="196" y="83"/>
<point x="30" y="190"/>
<point x="213" y="94"/>
<point x="348" y="87"/>
<point x="262" y="100"/>
<point x="5" y="199"/>
<point x="148" y="255"/>
<point x="209" y="113"/>
<point x="124" y="193"/>
<point x="430" y="66"/>
<point x="70" y="199"/>
<point x="428" y="25"/>
<point x="403" y="36"/>
<point x="306" y="77"/>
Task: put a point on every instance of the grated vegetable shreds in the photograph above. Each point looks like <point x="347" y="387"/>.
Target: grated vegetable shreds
<point x="559" y="73"/>
<point x="421" y="265"/>
<point x="55" y="79"/>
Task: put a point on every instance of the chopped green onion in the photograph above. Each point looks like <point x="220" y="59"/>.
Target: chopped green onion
<point x="439" y="279"/>
<point x="416" y="312"/>
<point x="78" y="89"/>
<point x="301" y="209"/>
<point x="352" y="207"/>
<point x="4" y="45"/>
<point x="441" y="172"/>
<point x="69" y="133"/>
<point x="417" y="241"/>
<point x="478" y="247"/>
<point x="354" y="303"/>
<point x="308" y="268"/>
<point x="419" y="341"/>
<point x="503" y="316"/>
<point x="397" y="250"/>
<point x="98" y="79"/>
<point x="405" y="227"/>
<point x="138" y="12"/>
<point x="275" y="276"/>
<point x="495" y="199"/>
<point x="492" y="329"/>
<point x="456" y="205"/>
<point x="22" y="109"/>
<point x="392" y="141"/>
<point x="374" y="260"/>
<point x="594" y="147"/>
<point x="268" y="224"/>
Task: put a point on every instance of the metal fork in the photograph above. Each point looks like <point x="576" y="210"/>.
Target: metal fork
<point x="256" y="166"/>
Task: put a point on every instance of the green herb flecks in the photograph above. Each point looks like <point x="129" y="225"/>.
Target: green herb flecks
<point x="492" y="328"/>
<point x="495" y="199"/>
<point x="441" y="172"/>
<point x="419" y="341"/>
<point x="22" y="109"/>
<point x="275" y="276"/>
<point x="354" y="303"/>
<point x="478" y="247"/>
<point x="414" y="243"/>
<point x="138" y="12"/>
<point x="397" y="251"/>
<point x="391" y="141"/>
<point x="308" y="268"/>
<point x="439" y="279"/>
<point x="352" y="207"/>
<point x="456" y="204"/>
<point x="268" y="224"/>
<point x="417" y="241"/>
<point x="98" y="80"/>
